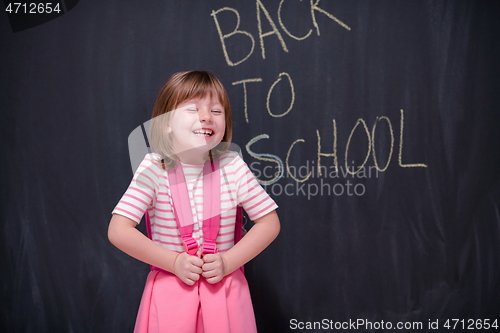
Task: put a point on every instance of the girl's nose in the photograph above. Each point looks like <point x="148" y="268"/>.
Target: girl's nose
<point x="205" y="115"/>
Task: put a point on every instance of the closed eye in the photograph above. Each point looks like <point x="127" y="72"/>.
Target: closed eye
<point x="217" y="111"/>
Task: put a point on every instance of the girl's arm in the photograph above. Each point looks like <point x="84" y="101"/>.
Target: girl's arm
<point x="123" y="234"/>
<point x="265" y="230"/>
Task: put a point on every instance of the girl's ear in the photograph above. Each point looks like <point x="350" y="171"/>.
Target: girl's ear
<point x="167" y="120"/>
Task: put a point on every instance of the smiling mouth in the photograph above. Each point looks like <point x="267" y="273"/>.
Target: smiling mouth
<point x="204" y="132"/>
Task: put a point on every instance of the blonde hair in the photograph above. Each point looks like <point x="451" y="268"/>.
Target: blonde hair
<point x="179" y="88"/>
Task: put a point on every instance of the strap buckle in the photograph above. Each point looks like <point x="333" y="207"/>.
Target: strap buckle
<point x="190" y="245"/>
<point x="209" y="248"/>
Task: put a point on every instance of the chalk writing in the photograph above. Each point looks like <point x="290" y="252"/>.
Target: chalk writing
<point x="373" y="144"/>
<point x="245" y="103"/>
<point x="288" y="164"/>
<point x="334" y="154"/>
<point x="260" y="8"/>
<point x="348" y="169"/>
<point x="400" y="156"/>
<point x="314" y="9"/>
<point x="271" y="90"/>
<point x="266" y="157"/>
<point x="285" y="29"/>
<point x="360" y="121"/>
<point x="223" y="37"/>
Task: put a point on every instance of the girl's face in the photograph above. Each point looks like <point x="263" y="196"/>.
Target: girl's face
<point x="196" y="126"/>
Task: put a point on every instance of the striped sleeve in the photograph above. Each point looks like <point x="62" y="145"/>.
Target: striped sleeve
<point x="141" y="193"/>
<point x="251" y="196"/>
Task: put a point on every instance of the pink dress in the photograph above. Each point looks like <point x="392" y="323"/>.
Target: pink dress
<point x="170" y="305"/>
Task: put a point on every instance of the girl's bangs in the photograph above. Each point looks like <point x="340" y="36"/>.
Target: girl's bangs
<point x="199" y="87"/>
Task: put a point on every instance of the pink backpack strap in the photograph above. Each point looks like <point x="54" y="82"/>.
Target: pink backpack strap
<point x="148" y="225"/>
<point x="239" y="226"/>
<point x="211" y="209"/>
<point x="211" y="206"/>
<point x="182" y="208"/>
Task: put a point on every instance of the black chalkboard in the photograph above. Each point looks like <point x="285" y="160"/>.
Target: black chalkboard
<point x="395" y="102"/>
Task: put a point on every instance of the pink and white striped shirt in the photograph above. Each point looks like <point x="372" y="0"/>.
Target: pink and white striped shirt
<point x="150" y="190"/>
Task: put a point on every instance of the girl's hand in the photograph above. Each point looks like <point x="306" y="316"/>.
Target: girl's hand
<point x="214" y="267"/>
<point x="188" y="268"/>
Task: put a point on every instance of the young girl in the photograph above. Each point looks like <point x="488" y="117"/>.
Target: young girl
<point x="195" y="284"/>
